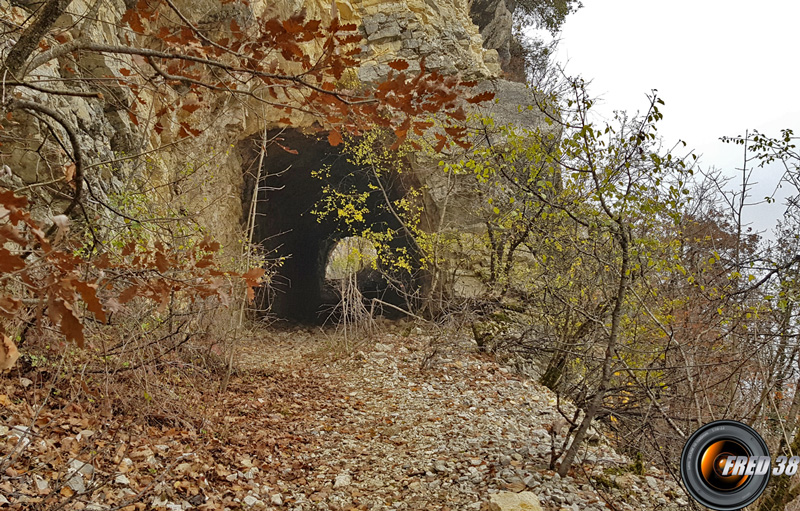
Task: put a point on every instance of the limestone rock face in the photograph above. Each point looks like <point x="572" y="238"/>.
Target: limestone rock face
<point x="494" y="20"/>
<point x="510" y="501"/>
<point x="513" y="103"/>
<point x="440" y="33"/>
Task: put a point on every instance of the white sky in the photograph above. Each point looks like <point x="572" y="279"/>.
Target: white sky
<point x="721" y="66"/>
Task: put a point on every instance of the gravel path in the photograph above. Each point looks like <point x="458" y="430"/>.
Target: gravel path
<point x="298" y="430"/>
<point x="400" y="437"/>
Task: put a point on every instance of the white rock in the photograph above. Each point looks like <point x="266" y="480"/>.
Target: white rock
<point x="510" y="501"/>
<point x="276" y="500"/>
<point x="41" y="483"/>
<point x="86" y="433"/>
<point x="20" y="432"/>
<point x="440" y="466"/>
<point x="76" y="484"/>
<point x="25" y="382"/>
<point x="251" y="501"/>
<point x="342" y="480"/>
<point x="80" y="467"/>
<point x="122" y="480"/>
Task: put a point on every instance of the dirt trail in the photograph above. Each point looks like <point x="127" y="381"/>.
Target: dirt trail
<point x="387" y="434"/>
<point x="399" y="424"/>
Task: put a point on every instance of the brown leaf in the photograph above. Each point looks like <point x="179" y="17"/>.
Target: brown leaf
<point x="287" y="149"/>
<point x="253" y="278"/>
<point x="88" y="294"/>
<point x="191" y="107"/>
<point x="133" y="117"/>
<point x="334" y="138"/>
<point x="9" y="306"/>
<point x="128" y="294"/>
<point x="254" y="275"/>
<point x="8" y="199"/>
<point x="480" y="98"/>
<point x="9" y="233"/>
<point x="209" y="245"/>
<point x="161" y="262"/>
<point x="398" y="65"/>
<point x="134" y="20"/>
<point x="10" y="262"/>
<point x="8" y="352"/>
<point x="62" y="313"/>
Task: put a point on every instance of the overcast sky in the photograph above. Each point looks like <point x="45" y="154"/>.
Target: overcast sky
<point x="721" y="67"/>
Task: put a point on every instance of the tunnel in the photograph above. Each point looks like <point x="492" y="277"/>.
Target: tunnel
<point x="288" y="229"/>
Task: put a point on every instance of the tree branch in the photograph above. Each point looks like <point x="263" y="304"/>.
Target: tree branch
<point x="29" y="39"/>
<point x="77" y="154"/>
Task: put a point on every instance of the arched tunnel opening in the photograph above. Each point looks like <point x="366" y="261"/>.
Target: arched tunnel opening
<point x="287" y="228"/>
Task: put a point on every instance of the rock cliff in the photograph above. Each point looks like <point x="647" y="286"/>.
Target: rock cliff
<point x="441" y="34"/>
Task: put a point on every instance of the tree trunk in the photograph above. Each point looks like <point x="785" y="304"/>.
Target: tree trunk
<point x="616" y="314"/>
<point x="30" y="38"/>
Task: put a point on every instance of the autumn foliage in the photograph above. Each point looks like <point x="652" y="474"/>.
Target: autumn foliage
<point x="291" y="65"/>
<point x="59" y="284"/>
<point x="167" y="67"/>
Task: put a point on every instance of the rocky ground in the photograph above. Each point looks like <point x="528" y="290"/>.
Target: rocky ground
<point x="397" y="425"/>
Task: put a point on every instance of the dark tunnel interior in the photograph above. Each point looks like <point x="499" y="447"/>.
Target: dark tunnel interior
<point x="287" y="227"/>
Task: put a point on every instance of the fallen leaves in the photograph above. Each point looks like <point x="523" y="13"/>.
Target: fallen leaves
<point x="8" y="354"/>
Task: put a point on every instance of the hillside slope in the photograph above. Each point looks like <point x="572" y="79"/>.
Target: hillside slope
<point x="398" y="425"/>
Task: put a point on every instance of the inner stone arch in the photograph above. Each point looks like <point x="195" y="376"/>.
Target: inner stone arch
<point x="352" y="255"/>
<point x="286" y="226"/>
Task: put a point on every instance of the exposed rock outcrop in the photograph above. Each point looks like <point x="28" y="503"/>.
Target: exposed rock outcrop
<point x="441" y="34"/>
<point x="495" y="20"/>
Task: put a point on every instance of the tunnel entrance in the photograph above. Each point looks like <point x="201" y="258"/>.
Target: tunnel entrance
<point x="287" y="226"/>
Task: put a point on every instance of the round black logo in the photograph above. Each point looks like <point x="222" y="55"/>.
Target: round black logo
<point x="725" y="465"/>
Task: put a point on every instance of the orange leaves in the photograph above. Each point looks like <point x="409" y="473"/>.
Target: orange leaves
<point x="68" y="287"/>
<point x="133" y="117"/>
<point x="88" y="294"/>
<point x="480" y="98"/>
<point x="137" y="16"/>
<point x="191" y="107"/>
<point x="9" y="262"/>
<point x="253" y="278"/>
<point x="398" y="65"/>
<point x="187" y="131"/>
<point x="160" y="272"/>
<point x="62" y="313"/>
<point x="295" y="75"/>
<point x="334" y="138"/>
<point x="134" y="20"/>
<point x="8" y="352"/>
